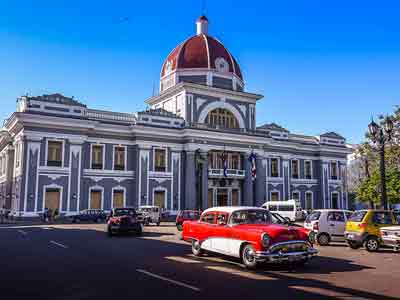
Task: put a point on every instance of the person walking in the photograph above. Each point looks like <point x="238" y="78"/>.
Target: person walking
<point x="2" y="214"/>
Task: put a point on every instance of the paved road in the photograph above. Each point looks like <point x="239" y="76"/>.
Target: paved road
<point x="81" y="262"/>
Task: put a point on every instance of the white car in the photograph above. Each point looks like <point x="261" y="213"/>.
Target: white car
<point x="391" y="237"/>
<point x="328" y="224"/>
<point x="150" y="214"/>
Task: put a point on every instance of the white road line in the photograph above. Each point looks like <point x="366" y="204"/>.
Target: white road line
<point x="169" y="280"/>
<point x="22" y="232"/>
<point x="58" y="244"/>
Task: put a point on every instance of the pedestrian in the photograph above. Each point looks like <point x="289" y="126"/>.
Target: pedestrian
<point x="45" y="215"/>
<point x="2" y="214"/>
<point x="56" y="213"/>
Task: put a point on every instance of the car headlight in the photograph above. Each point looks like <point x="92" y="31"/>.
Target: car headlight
<point x="265" y="240"/>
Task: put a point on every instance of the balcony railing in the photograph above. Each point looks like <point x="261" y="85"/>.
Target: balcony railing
<point x="231" y="173"/>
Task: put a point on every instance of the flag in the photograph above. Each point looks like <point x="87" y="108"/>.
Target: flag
<point x="252" y="159"/>
<point x="225" y="163"/>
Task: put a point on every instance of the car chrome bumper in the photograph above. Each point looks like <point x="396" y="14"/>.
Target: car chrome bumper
<point x="285" y="257"/>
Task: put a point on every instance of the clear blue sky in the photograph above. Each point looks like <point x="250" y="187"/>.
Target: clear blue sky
<point x="321" y="66"/>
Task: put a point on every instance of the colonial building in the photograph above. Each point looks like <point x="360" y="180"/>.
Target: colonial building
<point x="197" y="146"/>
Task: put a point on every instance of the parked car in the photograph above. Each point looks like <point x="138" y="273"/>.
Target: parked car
<point x="186" y="215"/>
<point x="328" y="225"/>
<point x="289" y="209"/>
<point x="89" y="215"/>
<point x="123" y="220"/>
<point x="151" y="214"/>
<point x="391" y="237"/>
<point x="363" y="228"/>
<point x="247" y="233"/>
<point x="278" y="219"/>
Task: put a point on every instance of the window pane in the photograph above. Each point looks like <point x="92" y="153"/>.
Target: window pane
<point x="54" y="154"/>
<point x="274" y="167"/>
<point x="97" y="157"/>
<point x="119" y="159"/>
<point x="160" y="160"/>
<point x="295" y="169"/>
<point x="307" y="169"/>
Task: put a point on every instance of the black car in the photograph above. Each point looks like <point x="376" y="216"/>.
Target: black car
<point x="124" y="220"/>
<point x="90" y="215"/>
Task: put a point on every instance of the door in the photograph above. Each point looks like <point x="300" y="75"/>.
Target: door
<point x="309" y="200"/>
<point x="95" y="199"/>
<point x="52" y="199"/>
<point x="118" y="199"/>
<point x="336" y="225"/>
<point x="335" y="200"/>
<point x="235" y="197"/>
<point x="159" y="199"/>
<point x="222" y="197"/>
<point x="220" y="237"/>
<point x="210" y="198"/>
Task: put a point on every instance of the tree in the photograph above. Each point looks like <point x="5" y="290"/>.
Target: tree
<point x="368" y="187"/>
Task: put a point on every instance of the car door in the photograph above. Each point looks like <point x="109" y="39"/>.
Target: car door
<point x="220" y="239"/>
<point x="205" y="230"/>
<point x="336" y="225"/>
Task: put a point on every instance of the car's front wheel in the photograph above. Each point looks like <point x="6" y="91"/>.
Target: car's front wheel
<point x="372" y="244"/>
<point x="196" y="249"/>
<point x="353" y="244"/>
<point x="249" y="257"/>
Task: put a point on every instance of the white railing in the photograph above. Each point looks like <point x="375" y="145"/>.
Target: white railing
<point x="232" y="173"/>
<point x="112" y="116"/>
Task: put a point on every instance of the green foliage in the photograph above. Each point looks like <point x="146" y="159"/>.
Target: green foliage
<point x="368" y="188"/>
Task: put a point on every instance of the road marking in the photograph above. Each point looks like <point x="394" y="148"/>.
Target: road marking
<point x="325" y="292"/>
<point x="247" y="274"/>
<point x="58" y="244"/>
<point x="183" y="260"/>
<point x="193" y="288"/>
<point x="22" y="232"/>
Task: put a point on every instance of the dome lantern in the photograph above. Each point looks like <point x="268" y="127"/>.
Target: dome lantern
<point x="202" y="25"/>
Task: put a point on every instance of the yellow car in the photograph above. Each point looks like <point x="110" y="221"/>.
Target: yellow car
<point x="363" y="228"/>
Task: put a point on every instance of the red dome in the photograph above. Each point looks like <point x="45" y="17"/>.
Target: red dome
<point x="199" y="52"/>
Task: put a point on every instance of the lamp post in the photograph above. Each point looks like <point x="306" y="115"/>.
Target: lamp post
<point x="381" y="134"/>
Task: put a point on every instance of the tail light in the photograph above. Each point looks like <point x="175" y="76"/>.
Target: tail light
<point x="315" y="226"/>
<point x="362" y="225"/>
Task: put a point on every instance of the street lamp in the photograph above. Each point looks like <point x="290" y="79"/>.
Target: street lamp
<point x="381" y="134"/>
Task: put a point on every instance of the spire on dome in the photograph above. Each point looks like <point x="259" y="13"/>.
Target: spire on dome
<point x="202" y="25"/>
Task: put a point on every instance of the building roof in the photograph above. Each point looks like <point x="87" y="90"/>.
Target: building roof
<point x="199" y="52"/>
<point x="272" y="126"/>
<point x="332" y="135"/>
<point x="57" y="98"/>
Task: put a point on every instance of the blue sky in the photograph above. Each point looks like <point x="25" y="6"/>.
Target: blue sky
<point x="321" y="66"/>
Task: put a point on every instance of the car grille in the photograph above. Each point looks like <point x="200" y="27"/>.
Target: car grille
<point x="125" y="221"/>
<point x="289" y="247"/>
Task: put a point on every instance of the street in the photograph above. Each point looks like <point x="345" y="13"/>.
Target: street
<point x="79" y="261"/>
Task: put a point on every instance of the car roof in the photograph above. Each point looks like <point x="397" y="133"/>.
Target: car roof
<point x="230" y="209"/>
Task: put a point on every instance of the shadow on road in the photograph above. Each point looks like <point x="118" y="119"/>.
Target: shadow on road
<point x="96" y="266"/>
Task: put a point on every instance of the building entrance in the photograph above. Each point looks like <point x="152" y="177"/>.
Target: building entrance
<point x="222" y="197"/>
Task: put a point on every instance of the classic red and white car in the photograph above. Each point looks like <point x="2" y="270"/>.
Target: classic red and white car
<point x="247" y="233"/>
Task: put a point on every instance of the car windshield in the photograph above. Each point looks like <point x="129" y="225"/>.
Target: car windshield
<point x="191" y="214"/>
<point x="256" y="216"/>
<point x="124" y="212"/>
<point x="314" y="216"/>
<point x="358" y="216"/>
<point x="278" y="219"/>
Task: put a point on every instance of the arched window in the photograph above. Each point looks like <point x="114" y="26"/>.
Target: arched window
<point x="222" y="117"/>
